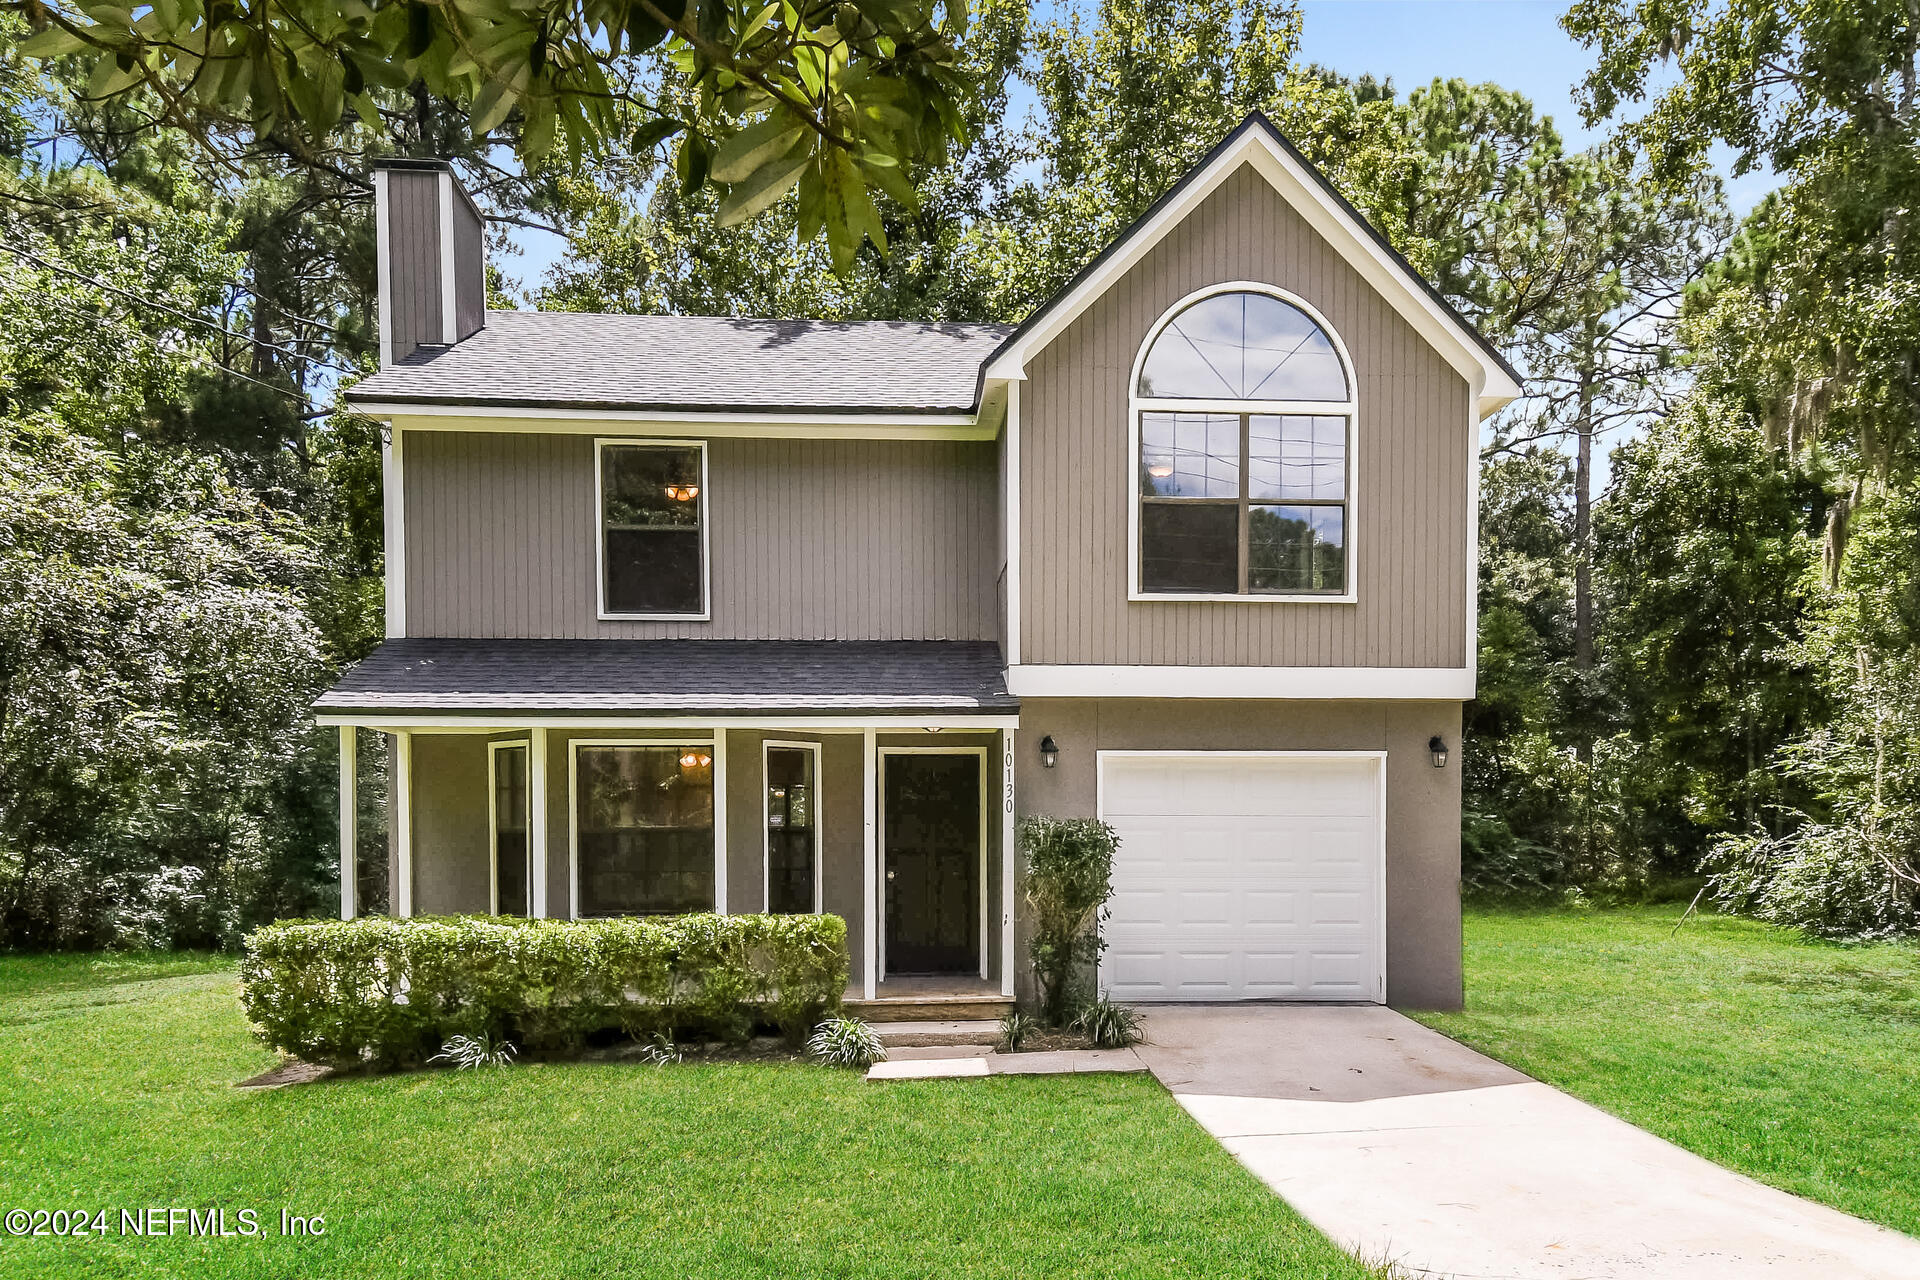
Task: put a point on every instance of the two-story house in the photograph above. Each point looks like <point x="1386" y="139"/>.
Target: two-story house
<point x="692" y="614"/>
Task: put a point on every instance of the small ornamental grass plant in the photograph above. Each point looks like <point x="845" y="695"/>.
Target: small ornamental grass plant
<point x="846" y="1042"/>
<point x="464" y="1053"/>
<point x="1016" y="1028"/>
<point x="392" y="993"/>
<point x="1106" y="1024"/>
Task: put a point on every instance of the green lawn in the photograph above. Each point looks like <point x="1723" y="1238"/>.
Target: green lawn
<point x="115" y="1092"/>
<point x="1795" y="1062"/>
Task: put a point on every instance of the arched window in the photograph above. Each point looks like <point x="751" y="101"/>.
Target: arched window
<point x="1244" y="420"/>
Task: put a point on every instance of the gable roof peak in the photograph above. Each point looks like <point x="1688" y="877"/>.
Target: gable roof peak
<point x="1258" y="142"/>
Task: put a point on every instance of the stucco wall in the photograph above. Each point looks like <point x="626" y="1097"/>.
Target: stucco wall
<point x="1423" y="803"/>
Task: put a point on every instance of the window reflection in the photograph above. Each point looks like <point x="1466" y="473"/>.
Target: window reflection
<point x="1243" y="346"/>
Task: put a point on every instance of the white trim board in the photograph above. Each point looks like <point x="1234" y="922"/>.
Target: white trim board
<point x="449" y="315"/>
<point x="393" y="503"/>
<point x="1430" y="684"/>
<point x="383" y="265"/>
<point x="1258" y="148"/>
<point x="714" y="425"/>
<point x="1379" y="758"/>
<point x="822" y="724"/>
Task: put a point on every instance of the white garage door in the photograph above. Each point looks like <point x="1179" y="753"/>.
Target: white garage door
<point x="1244" y="877"/>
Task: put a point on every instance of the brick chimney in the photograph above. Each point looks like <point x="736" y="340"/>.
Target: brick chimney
<point x="432" y="258"/>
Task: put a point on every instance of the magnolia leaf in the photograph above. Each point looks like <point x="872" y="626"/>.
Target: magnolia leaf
<point x="419" y="28"/>
<point x="654" y="132"/>
<point x="845" y="219"/>
<point x="759" y="20"/>
<point x="886" y="174"/>
<point x="643" y="31"/>
<point x="491" y="105"/>
<point x="740" y="156"/>
<point x="369" y="112"/>
<point x="813" y="202"/>
<point x="51" y="43"/>
<point x="109" y="78"/>
<point x="693" y="163"/>
<point x="767" y="184"/>
<point x="536" y="139"/>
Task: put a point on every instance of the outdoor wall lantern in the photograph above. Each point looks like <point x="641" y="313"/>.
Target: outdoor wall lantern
<point x="1437" y="746"/>
<point x="1049" y="751"/>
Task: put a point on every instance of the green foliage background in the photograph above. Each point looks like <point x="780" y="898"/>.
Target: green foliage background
<point x="1699" y="672"/>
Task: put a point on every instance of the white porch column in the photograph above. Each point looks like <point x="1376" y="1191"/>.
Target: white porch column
<point x="870" y="930"/>
<point x="720" y="821"/>
<point x="537" y="821"/>
<point x="349" y="821"/>
<point x="403" y="823"/>
<point x="1009" y="853"/>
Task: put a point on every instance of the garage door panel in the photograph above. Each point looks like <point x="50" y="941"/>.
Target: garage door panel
<point x="1271" y="909"/>
<point x="1244" y="878"/>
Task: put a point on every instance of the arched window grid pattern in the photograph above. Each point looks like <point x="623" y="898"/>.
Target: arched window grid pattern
<point x="1242" y="413"/>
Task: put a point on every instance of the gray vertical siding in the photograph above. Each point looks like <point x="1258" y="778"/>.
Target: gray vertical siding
<point x="1413" y="431"/>
<point x="413" y="258"/>
<point x="809" y="539"/>
<point x="469" y="265"/>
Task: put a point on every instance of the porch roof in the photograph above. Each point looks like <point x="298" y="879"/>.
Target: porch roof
<point x="674" y="677"/>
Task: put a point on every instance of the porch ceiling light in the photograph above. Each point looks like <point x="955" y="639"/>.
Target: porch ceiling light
<point x="683" y="492"/>
<point x="1437" y="748"/>
<point x="1049" y="752"/>
<point x="695" y="760"/>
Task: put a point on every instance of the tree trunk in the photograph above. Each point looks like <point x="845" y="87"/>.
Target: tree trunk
<point x="1583" y="533"/>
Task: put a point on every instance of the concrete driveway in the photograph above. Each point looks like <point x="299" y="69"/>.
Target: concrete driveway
<point x="1406" y="1146"/>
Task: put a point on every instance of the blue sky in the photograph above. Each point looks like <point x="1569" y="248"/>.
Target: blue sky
<point x="1516" y="43"/>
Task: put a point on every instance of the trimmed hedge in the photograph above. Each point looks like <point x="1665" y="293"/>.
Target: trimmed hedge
<point x="390" y="992"/>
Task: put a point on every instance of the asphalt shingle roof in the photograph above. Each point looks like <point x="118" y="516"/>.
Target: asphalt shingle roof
<point x="675" y="677"/>
<point x="577" y="360"/>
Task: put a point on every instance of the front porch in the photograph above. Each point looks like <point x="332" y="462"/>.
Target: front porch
<point x="899" y="825"/>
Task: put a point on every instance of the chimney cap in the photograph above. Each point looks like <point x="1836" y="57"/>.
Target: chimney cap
<point x="418" y="166"/>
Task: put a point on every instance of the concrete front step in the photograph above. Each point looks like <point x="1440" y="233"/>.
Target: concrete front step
<point x="930" y="1008"/>
<point x="921" y="1033"/>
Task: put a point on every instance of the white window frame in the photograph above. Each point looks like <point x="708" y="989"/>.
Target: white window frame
<point x="493" y="820"/>
<point x="766" y="834"/>
<point x="715" y="744"/>
<point x="989" y="798"/>
<point x="600" y="446"/>
<point x="1349" y="409"/>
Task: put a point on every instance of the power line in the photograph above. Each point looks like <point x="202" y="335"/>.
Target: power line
<point x="193" y="357"/>
<point x="38" y="261"/>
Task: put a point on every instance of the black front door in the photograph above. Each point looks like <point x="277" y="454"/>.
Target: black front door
<point x="932" y="858"/>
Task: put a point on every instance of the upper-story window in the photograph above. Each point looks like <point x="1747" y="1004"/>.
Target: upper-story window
<point x="653" y="522"/>
<point x="1243" y="416"/>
